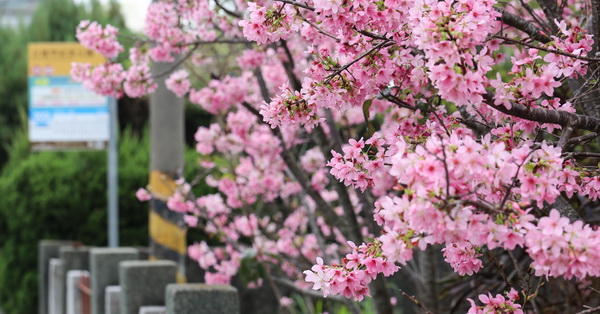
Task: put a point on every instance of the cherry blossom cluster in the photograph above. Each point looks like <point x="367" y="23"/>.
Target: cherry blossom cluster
<point x="449" y="31"/>
<point x="498" y="304"/>
<point x="220" y="95"/>
<point x="179" y="83"/>
<point x="289" y="107"/>
<point x="561" y="248"/>
<point x="352" y="276"/>
<point x="102" y="40"/>
<point x="358" y="162"/>
<point x="269" y="24"/>
<point x="104" y="79"/>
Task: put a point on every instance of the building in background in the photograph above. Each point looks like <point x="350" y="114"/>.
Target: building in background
<point x="13" y="12"/>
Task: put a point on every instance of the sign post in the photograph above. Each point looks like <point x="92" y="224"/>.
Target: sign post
<point x="64" y="115"/>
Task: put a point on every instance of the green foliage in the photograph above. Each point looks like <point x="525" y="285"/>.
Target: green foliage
<point x="62" y="195"/>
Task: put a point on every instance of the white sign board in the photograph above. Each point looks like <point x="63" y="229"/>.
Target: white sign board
<point x="62" y="113"/>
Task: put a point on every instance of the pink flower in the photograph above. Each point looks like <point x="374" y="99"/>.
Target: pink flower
<point x="143" y="195"/>
<point x="101" y="40"/>
<point x="178" y="83"/>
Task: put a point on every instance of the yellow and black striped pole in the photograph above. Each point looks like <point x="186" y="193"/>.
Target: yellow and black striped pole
<point x="167" y="228"/>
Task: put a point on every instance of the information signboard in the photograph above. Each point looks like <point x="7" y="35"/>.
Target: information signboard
<point x="62" y="113"/>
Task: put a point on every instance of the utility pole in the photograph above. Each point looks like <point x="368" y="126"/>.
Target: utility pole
<point x="167" y="228"/>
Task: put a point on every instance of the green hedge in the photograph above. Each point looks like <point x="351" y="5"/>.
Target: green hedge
<point x="62" y="195"/>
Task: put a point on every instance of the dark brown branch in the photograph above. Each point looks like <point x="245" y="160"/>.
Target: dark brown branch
<point x="523" y="25"/>
<point x="594" y="25"/>
<point x="480" y="204"/>
<point x="564" y="137"/>
<point x="178" y="63"/>
<point x="558" y="52"/>
<point x="541" y="115"/>
<point x="320" y="30"/>
<point x="298" y="4"/>
<point x="582" y="139"/>
<point x="582" y="154"/>
<point x="535" y="16"/>
<point x="298" y="173"/>
<point x="289" y="67"/>
<point x="551" y="11"/>
<point x="234" y="14"/>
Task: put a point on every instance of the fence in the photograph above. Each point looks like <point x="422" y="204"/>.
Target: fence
<point x="83" y="280"/>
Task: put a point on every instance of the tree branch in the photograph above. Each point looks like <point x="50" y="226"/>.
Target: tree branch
<point x="541" y="115"/>
<point x="234" y="14"/>
<point x="551" y="11"/>
<point x="523" y="25"/>
<point x="558" y="52"/>
<point x="564" y="137"/>
<point x="582" y="139"/>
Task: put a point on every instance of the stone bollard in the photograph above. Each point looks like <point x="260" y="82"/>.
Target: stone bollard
<point x="104" y="266"/>
<point x="153" y="310"/>
<point x="74" y="293"/>
<point x="201" y="298"/>
<point x="55" y="287"/>
<point x="143" y="283"/>
<point x="47" y="249"/>
<point x="112" y="300"/>
<point x="74" y="258"/>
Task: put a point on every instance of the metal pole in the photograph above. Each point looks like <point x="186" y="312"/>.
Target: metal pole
<point x="113" y="177"/>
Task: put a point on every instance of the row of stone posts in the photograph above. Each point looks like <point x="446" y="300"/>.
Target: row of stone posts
<point x="76" y="279"/>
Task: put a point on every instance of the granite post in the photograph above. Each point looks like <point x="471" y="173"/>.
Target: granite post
<point x="143" y="283"/>
<point x="202" y="298"/>
<point x="47" y="249"/>
<point x="104" y="267"/>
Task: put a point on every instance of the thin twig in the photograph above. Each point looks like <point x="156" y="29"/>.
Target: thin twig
<point x="590" y="310"/>
<point x="298" y="4"/>
<point x="415" y="301"/>
<point x="178" y="63"/>
<point x="362" y="55"/>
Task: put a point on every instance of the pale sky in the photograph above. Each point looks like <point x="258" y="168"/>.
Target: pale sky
<point x="133" y="10"/>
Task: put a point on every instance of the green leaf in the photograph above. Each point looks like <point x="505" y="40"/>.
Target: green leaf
<point x="366" y="114"/>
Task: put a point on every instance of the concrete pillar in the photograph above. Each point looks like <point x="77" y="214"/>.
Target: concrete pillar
<point x="47" y="249"/>
<point x="104" y="267"/>
<point x="112" y="300"/>
<point x="143" y="283"/>
<point x="201" y="298"/>
<point x="56" y="293"/>
<point x="74" y="294"/>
